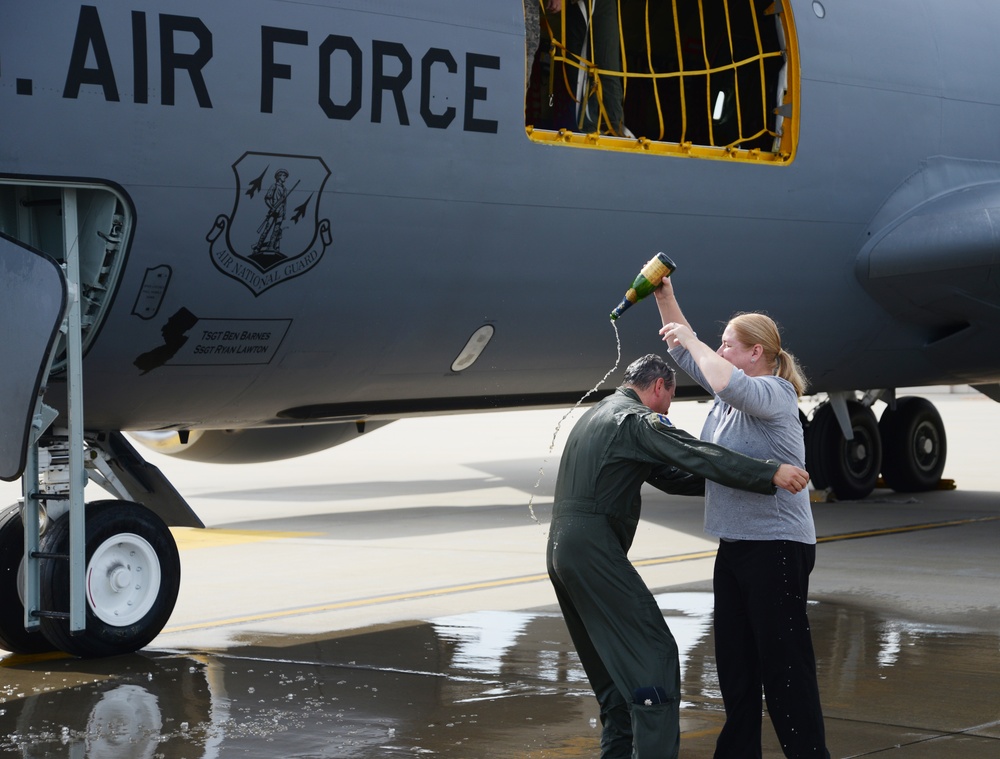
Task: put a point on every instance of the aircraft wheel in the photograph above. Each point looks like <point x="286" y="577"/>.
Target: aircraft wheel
<point x="132" y="578"/>
<point x="849" y="467"/>
<point x="815" y="434"/>
<point x="13" y="636"/>
<point x="914" y="445"/>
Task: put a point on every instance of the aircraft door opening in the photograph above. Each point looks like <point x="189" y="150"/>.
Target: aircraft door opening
<point x="704" y="78"/>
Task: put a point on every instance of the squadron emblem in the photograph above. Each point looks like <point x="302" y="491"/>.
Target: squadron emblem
<point x="274" y="232"/>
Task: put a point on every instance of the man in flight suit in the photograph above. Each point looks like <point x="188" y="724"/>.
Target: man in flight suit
<point x="624" y="644"/>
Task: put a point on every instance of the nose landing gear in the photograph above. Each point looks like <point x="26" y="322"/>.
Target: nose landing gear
<point x="133" y="577"/>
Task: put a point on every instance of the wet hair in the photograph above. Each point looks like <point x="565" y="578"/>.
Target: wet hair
<point x="643" y="372"/>
<point x="760" y="329"/>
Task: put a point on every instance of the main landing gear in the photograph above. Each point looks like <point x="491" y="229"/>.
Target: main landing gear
<point x="126" y="571"/>
<point x="847" y="449"/>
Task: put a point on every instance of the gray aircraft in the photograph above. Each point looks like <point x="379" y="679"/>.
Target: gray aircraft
<point x="248" y="231"/>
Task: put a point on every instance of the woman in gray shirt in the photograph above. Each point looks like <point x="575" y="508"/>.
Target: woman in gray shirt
<point x="767" y="542"/>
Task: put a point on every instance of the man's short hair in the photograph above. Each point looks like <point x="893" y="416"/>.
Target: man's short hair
<point x="644" y="371"/>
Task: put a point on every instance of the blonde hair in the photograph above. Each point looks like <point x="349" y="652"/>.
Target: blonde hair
<point x="760" y="329"/>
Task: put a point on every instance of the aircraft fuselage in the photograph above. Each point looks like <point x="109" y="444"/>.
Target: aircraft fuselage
<point x="414" y="209"/>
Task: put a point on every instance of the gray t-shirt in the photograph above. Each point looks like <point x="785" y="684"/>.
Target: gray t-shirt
<point x="758" y="416"/>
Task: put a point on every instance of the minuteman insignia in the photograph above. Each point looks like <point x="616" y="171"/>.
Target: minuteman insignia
<point x="274" y="232"/>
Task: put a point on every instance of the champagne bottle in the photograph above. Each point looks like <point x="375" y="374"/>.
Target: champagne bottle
<point x="650" y="277"/>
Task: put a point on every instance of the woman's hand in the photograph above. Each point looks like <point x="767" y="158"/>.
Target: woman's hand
<point x="665" y="291"/>
<point x="675" y="334"/>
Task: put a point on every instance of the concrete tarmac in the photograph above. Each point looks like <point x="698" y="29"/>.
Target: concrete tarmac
<point x="388" y="598"/>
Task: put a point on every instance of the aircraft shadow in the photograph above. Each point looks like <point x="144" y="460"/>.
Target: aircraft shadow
<point x="411" y="521"/>
<point x="683" y="513"/>
<point x="520" y="474"/>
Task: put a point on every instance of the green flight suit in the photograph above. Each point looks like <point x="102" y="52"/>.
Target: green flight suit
<point x="619" y="632"/>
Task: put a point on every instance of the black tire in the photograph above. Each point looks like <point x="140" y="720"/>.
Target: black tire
<point x="110" y="525"/>
<point x="850" y="468"/>
<point x="13" y="636"/>
<point x="914" y="445"/>
<point x="815" y="434"/>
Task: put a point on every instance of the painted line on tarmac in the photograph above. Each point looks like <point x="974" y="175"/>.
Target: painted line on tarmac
<point x="188" y="538"/>
<point x="527" y="579"/>
<point x="905" y="528"/>
<point x="371" y="601"/>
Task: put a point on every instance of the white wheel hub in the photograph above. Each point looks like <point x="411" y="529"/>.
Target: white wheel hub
<point x="123" y="579"/>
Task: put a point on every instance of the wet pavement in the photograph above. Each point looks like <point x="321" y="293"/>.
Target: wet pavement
<point x="484" y="684"/>
<point x="387" y="598"/>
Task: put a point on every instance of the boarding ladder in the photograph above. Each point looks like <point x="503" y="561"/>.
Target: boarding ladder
<point x="48" y="494"/>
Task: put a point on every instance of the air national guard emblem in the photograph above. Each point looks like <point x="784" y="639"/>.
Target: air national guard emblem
<point x="274" y="232"/>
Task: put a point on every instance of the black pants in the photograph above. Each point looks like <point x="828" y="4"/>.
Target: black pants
<point x="762" y="640"/>
<point x="619" y="632"/>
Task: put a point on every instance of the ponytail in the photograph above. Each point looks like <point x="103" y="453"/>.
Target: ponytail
<point x="787" y="367"/>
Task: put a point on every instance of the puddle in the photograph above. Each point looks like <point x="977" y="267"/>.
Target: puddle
<point x="488" y="683"/>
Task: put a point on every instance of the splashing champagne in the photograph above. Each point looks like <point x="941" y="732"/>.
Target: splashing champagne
<point x="650" y="277"/>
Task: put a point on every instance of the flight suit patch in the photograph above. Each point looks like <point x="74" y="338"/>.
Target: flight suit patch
<point x="660" y="421"/>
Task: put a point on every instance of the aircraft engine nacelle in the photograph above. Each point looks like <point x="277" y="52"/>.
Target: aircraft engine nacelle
<point x="252" y="446"/>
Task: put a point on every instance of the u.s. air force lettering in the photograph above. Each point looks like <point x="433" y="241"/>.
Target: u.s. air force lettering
<point x="274" y="232"/>
<point x="452" y="87"/>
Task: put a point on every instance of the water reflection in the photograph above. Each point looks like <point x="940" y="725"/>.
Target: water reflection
<point x="482" y="684"/>
<point x="482" y="639"/>
<point x="130" y="707"/>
